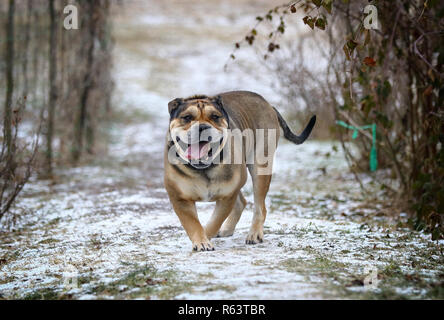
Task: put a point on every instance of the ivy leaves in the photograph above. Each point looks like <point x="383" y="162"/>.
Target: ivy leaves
<point x="349" y="47"/>
<point x="326" y="4"/>
<point x="319" y="21"/>
<point x="314" y="21"/>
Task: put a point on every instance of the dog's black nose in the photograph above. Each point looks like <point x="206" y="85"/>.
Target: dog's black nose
<point x="203" y="127"/>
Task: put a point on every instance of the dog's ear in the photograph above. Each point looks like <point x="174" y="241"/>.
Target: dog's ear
<point x="217" y="101"/>
<point x="173" y="106"/>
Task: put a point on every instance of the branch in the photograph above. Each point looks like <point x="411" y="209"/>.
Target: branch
<point x="415" y="45"/>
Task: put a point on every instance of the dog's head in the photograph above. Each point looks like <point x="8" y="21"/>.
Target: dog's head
<point x="199" y="128"/>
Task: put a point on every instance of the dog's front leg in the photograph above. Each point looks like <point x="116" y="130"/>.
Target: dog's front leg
<point x="221" y="212"/>
<point x="186" y="211"/>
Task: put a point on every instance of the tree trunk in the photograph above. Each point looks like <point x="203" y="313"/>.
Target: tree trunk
<point x="9" y="59"/>
<point x="35" y="55"/>
<point x="26" y="48"/>
<point x="82" y="119"/>
<point x="52" y="85"/>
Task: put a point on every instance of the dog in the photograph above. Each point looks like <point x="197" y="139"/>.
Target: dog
<point x="200" y="160"/>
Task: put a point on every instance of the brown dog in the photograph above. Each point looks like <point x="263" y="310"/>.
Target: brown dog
<point x="204" y="160"/>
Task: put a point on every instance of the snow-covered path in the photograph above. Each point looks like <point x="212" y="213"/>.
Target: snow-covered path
<point x="107" y="230"/>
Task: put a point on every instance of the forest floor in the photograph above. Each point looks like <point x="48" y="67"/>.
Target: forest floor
<point x="106" y="229"/>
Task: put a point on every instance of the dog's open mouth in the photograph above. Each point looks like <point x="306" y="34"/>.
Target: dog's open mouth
<point x="200" y="154"/>
<point x="200" y="151"/>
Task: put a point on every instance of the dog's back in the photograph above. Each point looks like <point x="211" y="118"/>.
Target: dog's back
<point x="249" y="110"/>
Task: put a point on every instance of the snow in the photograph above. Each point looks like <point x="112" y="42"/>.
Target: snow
<point x="105" y="221"/>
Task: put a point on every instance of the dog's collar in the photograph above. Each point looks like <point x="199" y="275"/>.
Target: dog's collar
<point x="198" y="168"/>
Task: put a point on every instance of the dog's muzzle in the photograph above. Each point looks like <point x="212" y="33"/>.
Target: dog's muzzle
<point x="200" y="145"/>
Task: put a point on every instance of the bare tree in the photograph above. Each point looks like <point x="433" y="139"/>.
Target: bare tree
<point x="9" y="59"/>
<point x="14" y="171"/>
<point x="52" y="85"/>
<point x="62" y="74"/>
<point x="82" y="119"/>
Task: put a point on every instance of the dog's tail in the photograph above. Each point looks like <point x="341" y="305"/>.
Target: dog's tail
<point x="289" y="135"/>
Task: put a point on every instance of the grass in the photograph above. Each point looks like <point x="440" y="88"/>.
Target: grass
<point x="44" y="294"/>
<point x="49" y="241"/>
<point x="396" y="284"/>
<point x="395" y="279"/>
<point x="144" y="282"/>
<point x="221" y="287"/>
<point x="322" y="265"/>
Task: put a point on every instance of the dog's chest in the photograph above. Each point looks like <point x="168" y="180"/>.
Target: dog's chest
<point x="207" y="188"/>
<point x="211" y="191"/>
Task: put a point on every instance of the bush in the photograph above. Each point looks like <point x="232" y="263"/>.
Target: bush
<point x="391" y="76"/>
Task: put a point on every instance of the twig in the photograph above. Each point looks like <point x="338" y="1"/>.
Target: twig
<point x="415" y="46"/>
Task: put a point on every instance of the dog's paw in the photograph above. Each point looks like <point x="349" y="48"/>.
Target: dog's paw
<point x="203" y="246"/>
<point x="254" y="237"/>
<point x="225" y="233"/>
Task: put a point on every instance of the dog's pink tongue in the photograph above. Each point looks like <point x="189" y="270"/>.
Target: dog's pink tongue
<point x="197" y="151"/>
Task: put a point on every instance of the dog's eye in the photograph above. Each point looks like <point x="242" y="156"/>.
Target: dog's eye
<point x="187" y="118"/>
<point x="215" y="117"/>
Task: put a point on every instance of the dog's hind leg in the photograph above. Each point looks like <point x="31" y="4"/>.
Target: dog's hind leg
<point x="229" y="225"/>
<point x="261" y="184"/>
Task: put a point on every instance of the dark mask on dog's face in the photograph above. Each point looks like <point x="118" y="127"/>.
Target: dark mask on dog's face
<point x="198" y="128"/>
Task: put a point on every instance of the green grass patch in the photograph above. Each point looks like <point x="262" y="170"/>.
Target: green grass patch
<point x="144" y="282"/>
